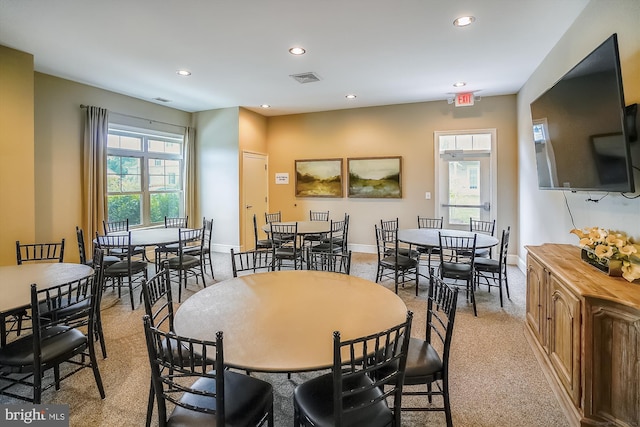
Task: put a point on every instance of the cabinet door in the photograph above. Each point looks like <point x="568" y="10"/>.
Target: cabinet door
<point x="564" y="337"/>
<point x="536" y="293"/>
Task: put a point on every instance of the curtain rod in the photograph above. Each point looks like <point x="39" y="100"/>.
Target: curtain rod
<point x="139" y="118"/>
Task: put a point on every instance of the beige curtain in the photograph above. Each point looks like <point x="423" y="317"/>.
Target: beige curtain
<point x="94" y="187"/>
<point x="189" y="156"/>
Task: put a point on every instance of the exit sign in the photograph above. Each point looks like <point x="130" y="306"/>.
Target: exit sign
<point x="464" y="99"/>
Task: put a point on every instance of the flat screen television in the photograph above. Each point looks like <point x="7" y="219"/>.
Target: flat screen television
<point x="579" y="131"/>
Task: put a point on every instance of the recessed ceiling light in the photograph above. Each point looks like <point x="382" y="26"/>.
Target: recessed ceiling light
<point x="183" y="73"/>
<point x="297" y="51"/>
<point x="463" y="21"/>
<point x="350" y="96"/>
<point x="265" y="106"/>
<point x="459" y="84"/>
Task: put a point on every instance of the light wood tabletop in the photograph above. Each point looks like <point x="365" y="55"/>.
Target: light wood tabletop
<point x="304" y="227"/>
<point x="283" y="321"/>
<point x="16" y="280"/>
<point x="429" y="237"/>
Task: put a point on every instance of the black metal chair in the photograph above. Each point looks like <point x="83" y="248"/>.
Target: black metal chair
<point x="433" y="223"/>
<point x="203" y="251"/>
<point x="259" y="243"/>
<point x="272" y="217"/>
<point x="457" y="262"/>
<point x="389" y="258"/>
<point x="309" y="239"/>
<point x="52" y="342"/>
<point x="335" y="240"/>
<point x="184" y="264"/>
<point x="286" y="245"/>
<point x="176" y="222"/>
<point x="353" y="393"/>
<point x="111" y="227"/>
<point x="255" y="261"/>
<point x="428" y="358"/>
<point x="133" y="271"/>
<point x="106" y="259"/>
<point x="493" y="272"/>
<point x="328" y="261"/>
<point x="39" y="252"/>
<point x="485" y="227"/>
<point x="204" y="393"/>
<point x="162" y="252"/>
<point x="392" y="225"/>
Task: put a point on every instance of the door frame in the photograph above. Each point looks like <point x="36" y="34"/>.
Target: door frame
<point x="493" y="166"/>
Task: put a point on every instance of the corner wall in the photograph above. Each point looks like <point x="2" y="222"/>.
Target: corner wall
<point x="545" y="216"/>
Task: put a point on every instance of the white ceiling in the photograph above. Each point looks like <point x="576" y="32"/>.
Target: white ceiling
<point x="385" y="52"/>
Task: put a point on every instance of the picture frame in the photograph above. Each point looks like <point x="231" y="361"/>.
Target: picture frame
<point x="319" y="178"/>
<point x="375" y="177"/>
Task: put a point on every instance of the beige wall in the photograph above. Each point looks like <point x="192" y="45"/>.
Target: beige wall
<point x="17" y="188"/>
<point x="58" y="148"/>
<point x="546" y="216"/>
<point x="399" y="130"/>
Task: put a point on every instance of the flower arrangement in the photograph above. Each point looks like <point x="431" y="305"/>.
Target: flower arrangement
<point x="607" y="244"/>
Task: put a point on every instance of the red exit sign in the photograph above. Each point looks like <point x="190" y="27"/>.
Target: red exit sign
<point x="464" y="99"/>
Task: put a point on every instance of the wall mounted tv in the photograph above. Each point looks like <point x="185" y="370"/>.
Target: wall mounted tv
<point x="579" y="130"/>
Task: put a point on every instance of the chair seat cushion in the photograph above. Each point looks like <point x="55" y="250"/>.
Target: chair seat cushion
<point x="247" y="399"/>
<point x="486" y="264"/>
<point x="315" y="399"/>
<point x="265" y="243"/>
<point x="402" y="261"/>
<point x="121" y="268"/>
<point x="56" y="342"/>
<point x="422" y="361"/>
<point x="455" y="269"/>
<point x="188" y="261"/>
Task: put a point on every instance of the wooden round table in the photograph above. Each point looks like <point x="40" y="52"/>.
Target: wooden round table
<point x="430" y="237"/>
<point x="304" y="227"/>
<point x="283" y="321"/>
<point x="16" y="280"/>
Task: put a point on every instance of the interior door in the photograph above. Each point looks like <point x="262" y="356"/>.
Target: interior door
<point x="465" y="177"/>
<point x="255" y="186"/>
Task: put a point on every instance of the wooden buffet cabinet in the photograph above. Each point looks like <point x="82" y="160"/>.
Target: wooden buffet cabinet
<point x="584" y="328"/>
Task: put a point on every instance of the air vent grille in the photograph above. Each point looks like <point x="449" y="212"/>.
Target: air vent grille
<point x="309" y="77"/>
<point x="161" y="99"/>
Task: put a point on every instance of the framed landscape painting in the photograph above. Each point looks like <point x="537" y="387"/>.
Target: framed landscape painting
<point x="375" y="177"/>
<point x="319" y="178"/>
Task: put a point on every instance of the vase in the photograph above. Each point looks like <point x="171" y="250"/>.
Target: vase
<point x="612" y="267"/>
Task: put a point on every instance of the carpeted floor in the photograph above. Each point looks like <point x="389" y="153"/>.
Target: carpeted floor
<point x="495" y="380"/>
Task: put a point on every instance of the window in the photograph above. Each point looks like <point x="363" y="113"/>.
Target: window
<point x="144" y="176"/>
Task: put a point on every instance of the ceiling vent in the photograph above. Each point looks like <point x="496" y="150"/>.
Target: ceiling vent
<point x="161" y="99"/>
<point x="306" y="77"/>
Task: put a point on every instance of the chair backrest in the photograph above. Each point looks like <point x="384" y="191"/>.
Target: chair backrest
<point x="273" y="217"/>
<point x="441" y="312"/>
<point x="255" y="231"/>
<point x="389" y="225"/>
<point x="56" y="307"/>
<point x="189" y="237"/>
<point x="158" y="300"/>
<point x="176" y="222"/>
<point x="284" y="234"/>
<point x="486" y="227"/>
<point x="504" y="249"/>
<point x="38" y="252"/>
<point x="207" y="225"/>
<point x="253" y="261"/>
<point x="424" y="222"/>
<point x="357" y="360"/>
<point x="456" y="250"/>
<point x="113" y="226"/>
<point x="386" y="242"/>
<point x="318" y="216"/>
<point x="81" y="246"/>
<point x="328" y="261"/>
<point x="116" y="241"/>
<point x="173" y="372"/>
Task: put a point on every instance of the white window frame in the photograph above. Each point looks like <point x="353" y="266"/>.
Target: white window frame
<point x="144" y="155"/>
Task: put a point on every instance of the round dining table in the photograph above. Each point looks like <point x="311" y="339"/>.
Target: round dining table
<point x="304" y="227"/>
<point x="283" y="321"/>
<point x="16" y="280"/>
<point x="154" y="236"/>
<point x="430" y="237"/>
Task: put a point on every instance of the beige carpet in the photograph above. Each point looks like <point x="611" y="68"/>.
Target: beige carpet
<point x="494" y="378"/>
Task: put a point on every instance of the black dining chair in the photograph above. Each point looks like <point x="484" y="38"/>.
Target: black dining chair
<point x="354" y="394"/>
<point x="254" y="261"/>
<point x="203" y="393"/>
<point x="484" y="227"/>
<point x="493" y="272"/>
<point x="432" y="223"/>
<point x="391" y="263"/>
<point x="457" y="262"/>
